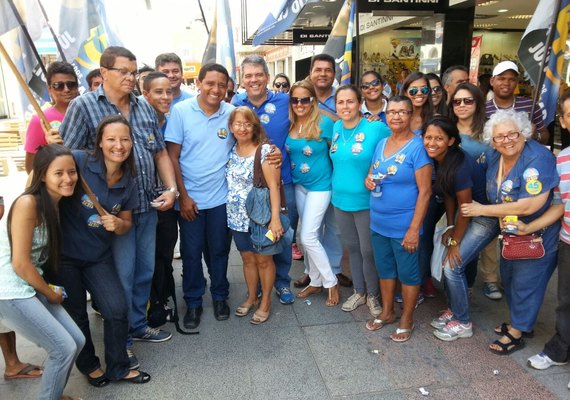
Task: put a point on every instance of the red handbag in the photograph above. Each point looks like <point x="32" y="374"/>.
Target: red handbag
<point x="527" y="247"/>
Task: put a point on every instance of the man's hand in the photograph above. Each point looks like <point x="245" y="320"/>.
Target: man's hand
<point x="188" y="208"/>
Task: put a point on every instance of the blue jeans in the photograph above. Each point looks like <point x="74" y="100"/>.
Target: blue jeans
<point x="208" y="233"/>
<point x="102" y="281"/>
<point x="50" y="327"/>
<point x="134" y="259"/>
<point x="283" y="260"/>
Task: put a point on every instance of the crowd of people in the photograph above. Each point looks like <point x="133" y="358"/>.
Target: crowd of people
<point x="356" y="172"/>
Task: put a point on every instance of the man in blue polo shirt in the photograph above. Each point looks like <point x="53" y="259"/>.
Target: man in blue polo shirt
<point x="273" y="111"/>
<point x="199" y="141"/>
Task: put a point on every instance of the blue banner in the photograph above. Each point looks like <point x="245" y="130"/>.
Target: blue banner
<point x="347" y="61"/>
<point x="220" y="47"/>
<point x="337" y="43"/>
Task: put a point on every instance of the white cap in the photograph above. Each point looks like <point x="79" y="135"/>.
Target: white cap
<point x="505" y="66"/>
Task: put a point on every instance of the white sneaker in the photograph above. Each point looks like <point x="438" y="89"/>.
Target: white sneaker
<point x="442" y="320"/>
<point x="454" y="330"/>
<point x="542" y="361"/>
<point x="492" y="291"/>
<point x="353" y="302"/>
<point x="373" y="305"/>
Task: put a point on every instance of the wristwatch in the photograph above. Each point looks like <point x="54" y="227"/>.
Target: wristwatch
<point x="452" y="242"/>
<point x="175" y="191"/>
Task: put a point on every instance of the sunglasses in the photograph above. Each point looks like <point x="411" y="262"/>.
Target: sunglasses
<point x="436" y="89"/>
<point x="424" y="90"/>
<point x="368" y="85"/>
<point x="58" y="86"/>
<point x="300" y="100"/>
<point x="465" y="100"/>
<point x="280" y="85"/>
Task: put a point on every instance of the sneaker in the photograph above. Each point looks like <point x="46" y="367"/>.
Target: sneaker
<point x="353" y="302"/>
<point x="398" y="298"/>
<point x="154" y="335"/>
<point x="373" y="304"/>
<point x="491" y="290"/>
<point x="542" y="361"/>
<point x="454" y="330"/>
<point x="285" y="295"/>
<point x="297" y="253"/>
<point x="133" y="360"/>
<point x="442" y="320"/>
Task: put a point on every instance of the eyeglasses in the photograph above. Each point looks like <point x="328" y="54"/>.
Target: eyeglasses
<point x="280" y="85"/>
<point x="424" y="90"/>
<point x="368" y="85"/>
<point x="239" y="125"/>
<point x="301" y="100"/>
<point x="436" y="89"/>
<point x="465" y="100"/>
<point x="401" y="113"/>
<point x="510" y="135"/>
<point x="58" y="86"/>
<point x="123" y="72"/>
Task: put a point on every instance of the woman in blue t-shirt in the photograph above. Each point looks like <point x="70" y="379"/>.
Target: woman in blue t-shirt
<point x="459" y="179"/>
<point x="86" y="258"/>
<point x="400" y="178"/>
<point x="311" y="171"/>
<point x="417" y="88"/>
<point x="353" y="143"/>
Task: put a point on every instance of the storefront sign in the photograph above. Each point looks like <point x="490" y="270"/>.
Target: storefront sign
<point x="476" y="43"/>
<point x="311" y="36"/>
<point x="370" y="23"/>
<point x="405" y="6"/>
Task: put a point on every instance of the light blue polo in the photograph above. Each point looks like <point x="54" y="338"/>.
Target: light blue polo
<point x="206" y="142"/>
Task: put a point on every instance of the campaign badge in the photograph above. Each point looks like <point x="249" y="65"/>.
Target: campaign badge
<point x="293" y="165"/>
<point x="269" y="108"/>
<point x="507" y="186"/>
<point x="150" y="139"/>
<point x="222" y="133"/>
<point x="116" y="209"/>
<point x="356" y="148"/>
<point x="359" y="138"/>
<point x="334" y="148"/>
<point x="530" y="174"/>
<point x="335" y="137"/>
<point x="400" y="158"/>
<point x="305" y="168"/>
<point x="533" y="187"/>
<point x="287" y="149"/>
<point x="307" y="151"/>
<point x="86" y="201"/>
<point x="392" y="169"/>
<point x="265" y="119"/>
<point x="94" y="221"/>
<point x="376" y="164"/>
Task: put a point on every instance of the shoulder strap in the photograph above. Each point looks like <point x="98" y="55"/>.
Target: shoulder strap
<point x="259" y="178"/>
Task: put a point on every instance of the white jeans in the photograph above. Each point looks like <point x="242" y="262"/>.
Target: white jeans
<point x="312" y="207"/>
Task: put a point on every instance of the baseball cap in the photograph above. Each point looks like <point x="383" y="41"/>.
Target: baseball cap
<point x="505" y="66"/>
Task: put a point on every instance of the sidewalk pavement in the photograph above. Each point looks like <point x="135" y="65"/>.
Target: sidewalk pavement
<point x="310" y="351"/>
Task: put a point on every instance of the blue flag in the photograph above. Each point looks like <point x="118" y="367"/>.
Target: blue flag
<point x="280" y="19"/>
<point x="347" y="61"/>
<point x="220" y="47"/>
<point x="84" y="34"/>
<point x="339" y="43"/>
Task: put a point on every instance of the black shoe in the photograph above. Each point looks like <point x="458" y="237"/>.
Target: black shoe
<point x="221" y="310"/>
<point x="192" y="318"/>
<point x="343" y="280"/>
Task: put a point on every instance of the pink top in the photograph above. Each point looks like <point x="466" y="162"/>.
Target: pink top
<point x="35" y="136"/>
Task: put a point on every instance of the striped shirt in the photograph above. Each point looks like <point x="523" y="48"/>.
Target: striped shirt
<point x="563" y="189"/>
<point x="520" y="104"/>
<point x="78" y="131"/>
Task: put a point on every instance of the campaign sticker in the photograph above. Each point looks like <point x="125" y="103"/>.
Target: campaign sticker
<point x="116" y="209"/>
<point x="269" y="108"/>
<point x="533" y="187"/>
<point x="359" y="138"/>
<point x="307" y="151"/>
<point x="530" y="174"/>
<point x="293" y="165"/>
<point x="400" y="158"/>
<point x="222" y="133"/>
<point x="265" y="119"/>
<point x="55" y="124"/>
<point x="86" y="201"/>
<point x="335" y="137"/>
<point x="287" y="149"/>
<point x="356" y="148"/>
<point x="305" y="168"/>
<point x="507" y="186"/>
<point x="392" y="169"/>
<point x="334" y="148"/>
<point x="150" y="139"/>
<point x="94" y="221"/>
<point x="376" y="164"/>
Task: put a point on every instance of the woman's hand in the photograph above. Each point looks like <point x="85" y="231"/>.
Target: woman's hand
<point x="453" y="257"/>
<point x="373" y="117"/>
<point x="411" y="240"/>
<point x="369" y="182"/>
<point x="111" y="223"/>
<point x="472" y="209"/>
<point x="276" y="228"/>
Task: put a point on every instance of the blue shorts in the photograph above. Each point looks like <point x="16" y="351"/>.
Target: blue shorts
<point x="393" y="261"/>
<point x="242" y="241"/>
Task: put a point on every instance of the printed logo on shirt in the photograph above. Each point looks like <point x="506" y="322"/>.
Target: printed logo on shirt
<point x="150" y="139"/>
<point x="530" y="174"/>
<point x="86" y="202"/>
<point x="116" y="209"/>
<point x="269" y="108"/>
<point x="94" y="221"/>
<point x="533" y="187"/>
<point x="55" y="124"/>
<point x="265" y="119"/>
<point x="222" y="133"/>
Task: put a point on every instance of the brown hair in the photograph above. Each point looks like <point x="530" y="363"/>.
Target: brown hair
<point x="259" y="135"/>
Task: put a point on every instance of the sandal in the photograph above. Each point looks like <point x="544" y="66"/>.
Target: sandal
<point x="142" y="377"/>
<point x="510" y="347"/>
<point x="25" y="373"/>
<point x="244" y="309"/>
<point x="309" y="290"/>
<point x="333" y="298"/>
<point x="402" y="331"/>
<point x="259" y="317"/>
<point x="100" y="381"/>
<point x="504" y="328"/>
<point x="375" y="324"/>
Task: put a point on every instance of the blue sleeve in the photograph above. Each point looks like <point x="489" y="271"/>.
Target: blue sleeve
<point x="463" y="178"/>
<point x="539" y="174"/>
<point x="327" y="127"/>
<point x="175" y="127"/>
<point x="384" y="130"/>
<point x="74" y="129"/>
<point x="80" y="157"/>
<point x="420" y="156"/>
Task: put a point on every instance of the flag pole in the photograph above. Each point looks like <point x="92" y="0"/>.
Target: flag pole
<point x="55" y="39"/>
<point x="547" y="51"/>
<point x="28" y="37"/>
<point x="203" y="17"/>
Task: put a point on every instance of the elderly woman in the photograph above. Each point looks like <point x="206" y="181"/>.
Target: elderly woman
<point x="400" y="178"/>
<point x="521" y="177"/>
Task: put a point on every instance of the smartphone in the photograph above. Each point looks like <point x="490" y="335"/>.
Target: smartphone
<point x="156" y="204"/>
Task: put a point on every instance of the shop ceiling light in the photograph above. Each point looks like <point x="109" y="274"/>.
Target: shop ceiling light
<point x="486" y="3"/>
<point x="484" y="26"/>
<point x="504" y="10"/>
<point x="520" y="17"/>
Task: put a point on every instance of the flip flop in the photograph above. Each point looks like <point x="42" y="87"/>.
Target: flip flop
<point x="401" y="331"/>
<point x="375" y="324"/>
<point x="24" y="373"/>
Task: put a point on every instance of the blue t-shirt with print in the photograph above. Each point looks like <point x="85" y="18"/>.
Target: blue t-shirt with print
<point x="274" y="117"/>
<point x="392" y="213"/>
<point x="310" y="162"/>
<point x="477" y="150"/>
<point x="85" y="236"/>
<point x="351" y="154"/>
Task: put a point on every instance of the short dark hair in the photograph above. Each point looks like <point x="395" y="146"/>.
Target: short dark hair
<point x="111" y="53"/>
<point x="145" y="68"/>
<point x="401" y="99"/>
<point x="165" y="58"/>
<point x="59" y="67"/>
<point x="376" y="75"/>
<point x="282" y="75"/>
<point x="151" y="77"/>
<point x="323" y="57"/>
<point x="212" y="67"/>
<point x="447" y="73"/>
<point x="255" y="59"/>
<point x="92" y="75"/>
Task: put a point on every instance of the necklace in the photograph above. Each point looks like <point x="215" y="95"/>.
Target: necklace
<point x="344" y="139"/>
